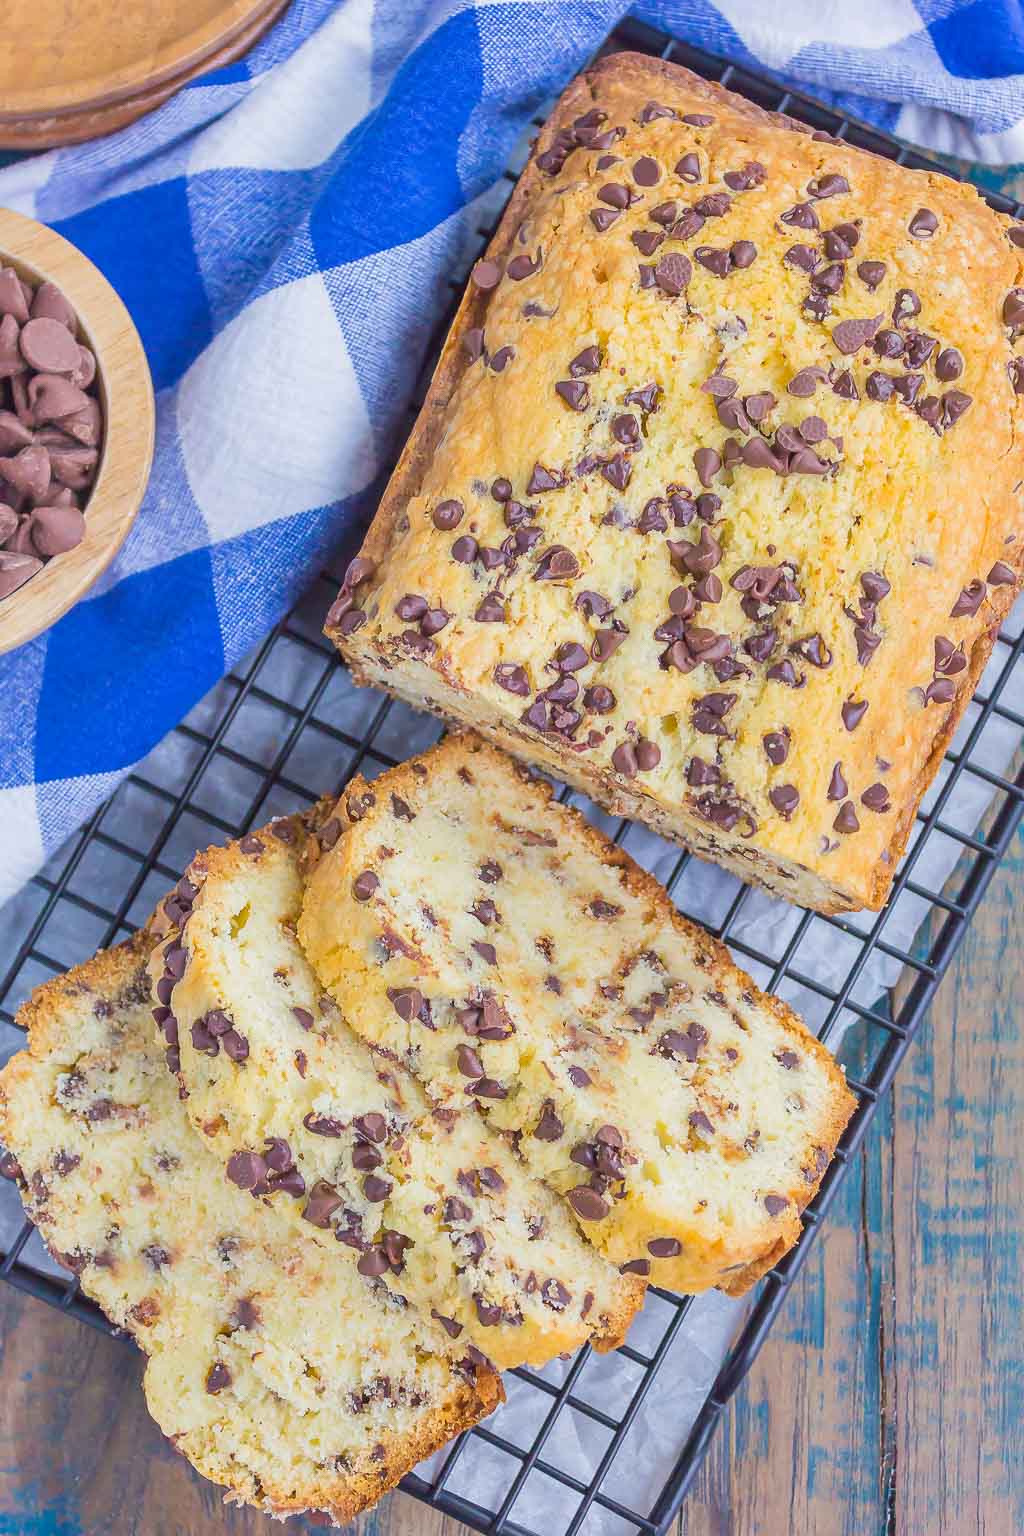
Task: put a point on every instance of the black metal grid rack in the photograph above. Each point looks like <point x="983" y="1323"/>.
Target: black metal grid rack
<point x="134" y="846"/>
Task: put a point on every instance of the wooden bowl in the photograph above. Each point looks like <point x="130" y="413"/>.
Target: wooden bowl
<point x="71" y="70"/>
<point x="125" y="391"/>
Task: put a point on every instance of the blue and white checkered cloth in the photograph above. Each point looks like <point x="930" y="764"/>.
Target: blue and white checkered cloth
<point x="281" y="232"/>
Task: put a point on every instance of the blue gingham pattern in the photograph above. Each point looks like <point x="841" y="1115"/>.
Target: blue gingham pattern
<point x="282" y="231"/>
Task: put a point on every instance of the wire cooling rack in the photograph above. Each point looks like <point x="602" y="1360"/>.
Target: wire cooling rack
<point x="289" y="723"/>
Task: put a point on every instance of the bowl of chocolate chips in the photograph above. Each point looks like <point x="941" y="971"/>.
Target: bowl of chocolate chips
<point x="76" y="426"/>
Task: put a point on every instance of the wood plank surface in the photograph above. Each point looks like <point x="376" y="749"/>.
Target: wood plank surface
<point x="888" y="1400"/>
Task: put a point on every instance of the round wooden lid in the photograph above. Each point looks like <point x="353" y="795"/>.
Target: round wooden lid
<point x="74" y="69"/>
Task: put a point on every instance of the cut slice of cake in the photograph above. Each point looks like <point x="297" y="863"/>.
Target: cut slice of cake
<point x="344" y="1143"/>
<point x="286" y="1377"/>
<point x="510" y="956"/>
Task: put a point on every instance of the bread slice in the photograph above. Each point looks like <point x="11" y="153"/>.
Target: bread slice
<point x="286" y="1377"/>
<point x="508" y="954"/>
<point x="346" y="1145"/>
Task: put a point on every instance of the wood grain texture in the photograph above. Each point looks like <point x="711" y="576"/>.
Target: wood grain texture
<point x="126" y="393"/>
<point x="73" y="69"/>
<point x="888" y="1401"/>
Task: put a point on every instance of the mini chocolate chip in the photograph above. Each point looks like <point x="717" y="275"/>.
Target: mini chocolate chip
<point x="512" y="678"/>
<point x="716" y="261"/>
<point x="969" y="601"/>
<point x="673" y="273"/>
<point x="465" y="549"/>
<point x="363" y="887"/>
<point x="593" y="605"/>
<point x="840" y="241"/>
<point x="707" y="463"/>
<point x="543" y="479"/>
<point x="846" y="819"/>
<point x="556" y="564"/>
<point x="688" y="168"/>
<point x="523" y="266"/>
<point x="923" y="225"/>
<point x="411" y="606"/>
<point x="246" y="1169"/>
<point x="830" y="279"/>
<point x="236" y="1046"/>
<point x="373" y="1263"/>
<point x="490" y="610"/>
<point x="785" y="798"/>
<point x="1002" y="575"/>
<point x="687" y="225"/>
<point x="871" y="274"/>
<point x="406" y="1001"/>
<point x="829" y="185"/>
<point x="941" y="690"/>
<point x="447" y="515"/>
<point x="775" y="1204"/>
<point x="952" y="406"/>
<point x="575" y="393"/>
<point x="664" y="1247"/>
<point x="752" y="174"/>
<point x="616" y="195"/>
<point x="599" y="699"/>
<point x="908" y="386"/>
<point x="549" y="1127"/>
<point x="805" y="382"/>
<point x="371" y="1126"/>
<point x="776" y="747"/>
<point x="587" y="361"/>
<point x="606" y="643"/>
<point x="837" y="787"/>
<point x="218" y="1377"/>
<point x="486" y="275"/>
<point x="850" y="335"/>
<point x="587" y="1203"/>
<point x="905" y="306"/>
<point x="853" y="712"/>
<point x="801" y="216"/>
<point x="878" y="387"/>
<point x="647" y="240"/>
<point x="876" y="798"/>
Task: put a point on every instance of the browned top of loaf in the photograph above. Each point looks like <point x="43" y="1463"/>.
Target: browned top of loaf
<point x="897" y="562"/>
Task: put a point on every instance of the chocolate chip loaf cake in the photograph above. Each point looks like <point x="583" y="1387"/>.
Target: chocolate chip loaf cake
<point x="509" y="955"/>
<point x="713" y="506"/>
<point x="286" y="1377"/>
<point x="345" y="1145"/>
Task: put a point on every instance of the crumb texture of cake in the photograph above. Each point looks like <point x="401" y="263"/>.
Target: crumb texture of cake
<point x="506" y="953"/>
<point x="286" y="1377"/>
<point x="713" y="507"/>
<point x="348" y="1148"/>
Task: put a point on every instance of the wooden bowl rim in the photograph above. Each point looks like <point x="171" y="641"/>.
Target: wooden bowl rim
<point x="39" y="253"/>
<point x="182" y="54"/>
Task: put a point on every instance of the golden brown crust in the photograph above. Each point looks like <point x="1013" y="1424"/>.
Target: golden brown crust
<point x="974" y="514"/>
